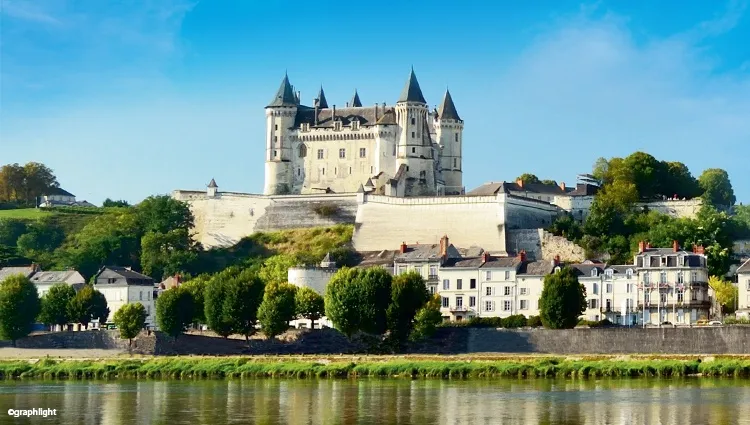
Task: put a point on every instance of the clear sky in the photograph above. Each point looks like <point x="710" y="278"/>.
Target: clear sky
<point x="125" y="99"/>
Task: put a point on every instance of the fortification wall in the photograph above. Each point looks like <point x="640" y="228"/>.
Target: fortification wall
<point x="315" y="278"/>
<point x="675" y="208"/>
<point x="525" y="213"/>
<point x="384" y="222"/>
<point x="540" y="244"/>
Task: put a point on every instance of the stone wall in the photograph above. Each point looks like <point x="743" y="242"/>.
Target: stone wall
<point x="675" y="208"/>
<point x="540" y="244"/>
<point x="92" y="339"/>
<point x="719" y="340"/>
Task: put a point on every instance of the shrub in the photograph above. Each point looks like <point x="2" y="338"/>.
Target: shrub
<point x="534" y="322"/>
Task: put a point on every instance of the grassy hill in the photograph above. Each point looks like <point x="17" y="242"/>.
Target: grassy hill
<point x="25" y="213"/>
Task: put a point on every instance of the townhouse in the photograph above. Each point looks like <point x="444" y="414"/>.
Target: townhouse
<point x="743" y="290"/>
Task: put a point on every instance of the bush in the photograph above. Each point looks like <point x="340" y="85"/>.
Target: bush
<point x="534" y="322"/>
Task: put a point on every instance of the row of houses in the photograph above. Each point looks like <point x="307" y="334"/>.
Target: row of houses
<point x="119" y="285"/>
<point x="662" y="285"/>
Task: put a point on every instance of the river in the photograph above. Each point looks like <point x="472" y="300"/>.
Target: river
<point x="370" y="401"/>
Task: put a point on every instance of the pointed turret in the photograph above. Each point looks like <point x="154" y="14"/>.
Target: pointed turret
<point x="447" y="109"/>
<point x="369" y="186"/>
<point x="412" y="92"/>
<point x="285" y="96"/>
<point x="322" y="102"/>
<point x="213" y="183"/>
<point x="355" y="103"/>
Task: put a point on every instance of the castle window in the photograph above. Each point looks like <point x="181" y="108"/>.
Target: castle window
<point x="276" y="138"/>
<point x="302" y="151"/>
<point x="413" y="121"/>
<point x="299" y="171"/>
<point x="350" y="170"/>
<point x="413" y="150"/>
<point x="412" y="135"/>
<point x="394" y="150"/>
<point x="456" y="136"/>
<point x="335" y="171"/>
<point x="276" y="127"/>
<point x="371" y="169"/>
<point x="455" y="163"/>
<point x="342" y="153"/>
<point x="324" y="171"/>
<point x="362" y="152"/>
<point x="275" y="153"/>
<point x="320" y="153"/>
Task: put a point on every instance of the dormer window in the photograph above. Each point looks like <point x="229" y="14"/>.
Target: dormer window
<point x="629" y="273"/>
<point x="608" y="273"/>
<point x="355" y="124"/>
<point x="337" y="125"/>
<point x="594" y="273"/>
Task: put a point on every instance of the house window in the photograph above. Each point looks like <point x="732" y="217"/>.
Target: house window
<point x="488" y="276"/>
<point x="459" y="301"/>
<point x="523" y="305"/>
<point x="140" y="295"/>
<point x="506" y="291"/>
<point x="663" y="297"/>
<point x="275" y="154"/>
<point x="647" y="297"/>
<point x="324" y="171"/>
<point x="594" y="273"/>
<point x="609" y="305"/>
<point x="459" y="284"/>
<point x="608" y="273"/>
<point x="275" y="138"/>
<point x="695" y="294"/>
<point x="629" y="273"/>
<point x="489" y="290"/>
<point x="592" y="303"/>
<point x="362" y="152"/>
<point x="473" y="284"/>
<point x="524" y="291"/>
<point x="609" y="288"/>
<point x="506" y="305"/>
<point x="694" y="277"/>
<point x="472" y="301"/>
<point x="680" y="295"/>
<point x="275" y="126"/>
<point x="646" y="279"/>
<point x="663" y="277"/>
<point x="489" y="306"/>
<point x="148" y="310"/>
<point x="507" y="275"/>
<point x="320" y="153"/>
<point x="342" y="153"/>
<point x="680" y="277"/>
<point x="413" y="150"/>
<point x="446" y="284"/>
<point x="595" y="288"/>
<point x="401" y="270"/>
<point x="433" y="272"/>
<point x="445" y="302"/>
<point x="302" y="151"/>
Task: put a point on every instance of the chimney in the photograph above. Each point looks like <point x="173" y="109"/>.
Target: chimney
<point x="403" y="247"/>
<point x="519" y="182"/>
<point x="347" y="104"/>
<point x="444" y="247"/>
<point x="333" y="114"/>
<point x="485" y="257"/>
<point x="641" y="247"/>
<point x="648" y="245"/>
<point x="675" y="246"/>
<point x="562" y="186"/>
<point x="522" y="255"/>
<point x="698" y="249"/>
<point x="376" y="112"/>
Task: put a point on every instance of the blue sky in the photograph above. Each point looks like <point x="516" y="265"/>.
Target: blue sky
<point x="128" y="99"/>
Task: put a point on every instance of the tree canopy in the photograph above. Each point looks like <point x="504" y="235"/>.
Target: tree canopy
<point x="277" y="308"/>
<point x="309" y="305"/>
<point x="408" y="295"/>
<point x="56" y="305"/>
<point x="19" y="307"/>
<point x="23" y="184"/>
<point x="717" y="189"/>
<point x="174" y="310"/>
<point x="130" y="320"/>
<point x="562" y="301"/>
<point x="357" y="300"/>
<point x="528" y="178"/>
<point x="87" y="305"/>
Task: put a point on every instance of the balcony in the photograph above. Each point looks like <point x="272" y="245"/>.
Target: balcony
<point x="460" y="309"/>
<point x="670" y="304"/>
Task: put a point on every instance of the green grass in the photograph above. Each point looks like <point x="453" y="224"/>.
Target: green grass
<point x="25" y="213"/>
<point x="244" y="367"/>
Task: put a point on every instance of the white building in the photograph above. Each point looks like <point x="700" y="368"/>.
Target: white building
<point x="45" y="280"/>
<point x="743" y="290"/>
<point x="401" y="150"/>
<point x="26" y="271"/>
<point x="121" y="285"/>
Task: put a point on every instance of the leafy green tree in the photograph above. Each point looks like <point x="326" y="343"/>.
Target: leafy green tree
<point x="566" y="227"/>
<point x="41" y="239"/>
<point x="408" y="295"/>
<point x="232" y="298"/>
<point x="549" y="182"/>
<point x="130" y="320"/>
<point x="717" y="189"/>
<point x="56" y="305"/>
<point x="725" y="292"/>
<point x="563" y="300"/>
<point x="12" y="178"/>
<point x="528" y="178"/>
<point x="275" y="268"/>
<point x="38" y="179"/>
<point x="427" y="319"/>
<point x="11" y="230"/>
<point x="357" y="300"/>
<point x="167" y="254"/>
<point x="174" y="311"/>
<point x="215" y="297"/>
<point x="109" y="203"/>
<point x="19" y="307"/>
<point x="87" y="305"/>
<point x="162" y="214"/>
<point x="678" y="180"/>
<point x="196" y="287"/>
<point x="277" y="308"/>
<point x="310" y="305"/>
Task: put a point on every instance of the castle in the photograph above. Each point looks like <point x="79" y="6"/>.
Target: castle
<point x="402" y="150"/>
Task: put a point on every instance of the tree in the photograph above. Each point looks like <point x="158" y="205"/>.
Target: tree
<point x="277" y="308"/>
<point x="167" y="254"/>
<point x="232" y="298"/>
<point x="56" y="305"/>
<point x="549" y="182"/>
<point x="357" y="300"/>
<point x="196" y="287"/>
<point x="174" y="311"/>
<point x="725" y="293"/>
<point x="41" y="239"/>
<point x="679" y="181"/>
<point x="130" y="319"/>
<point x="215" y="297"/>
<point x="408" y="295"/>
<point x="717" y="189"/>
<point x="563" y="300"/>
<point x="109" y="203"/>
<point x="12" y="178"/>
<point x="275" y="268"/>
<point x="163" y="214"/>
<point x="87" y="305"/>
<point x="427" y="319"/>
<point x="310" y="305"/>
<point x="19" y="307"/>
<point x="528" y="178"/>
<point x="38" y="179"/>
<point x="11" y="230"/>
<point x="566" y="227"/>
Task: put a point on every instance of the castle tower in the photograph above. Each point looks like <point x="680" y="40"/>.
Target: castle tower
<point x="414" y="149"/>
<point x="280" y="116"/>
<point x="212" y="189"/>
<point x="449" y="130"/>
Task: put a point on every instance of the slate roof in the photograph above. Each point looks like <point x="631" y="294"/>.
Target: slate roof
<point x="376" y="258"/>
<point x="355" y="103"/>
<point x="322" y="102"/>
<point x="125" y="272"/>
<point x="58" y="191"/>
<point x="447" y="109"/>
<point x="583" y="189"/>
<point x="412" y="92"/>
<point x="551" y="189"/>
<point x="424" y="252"/>
<point x="285" y="96"/>
<point x="365" y="116"/>
<point x="213" y="183"/>
<point x="476" y="262"/>
<point x="620" y="269"/>
<point x="744" y="268"/>
<point x="472" y="251"/>
<point x="585" y="269"/>
<point x="52" y="276"/>
<point x="27" y="271"/>
<point x="536" y="268"/>
<point x="487" y="189"/>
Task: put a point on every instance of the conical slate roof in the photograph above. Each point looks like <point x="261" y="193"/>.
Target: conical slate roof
<point x="355" y="103"/>
<point x="412" y="92"/>
<point x="213" y="183"/>
<point x="322" y="102"/>
<point x="447" y="109"/>
<point x="369" y="183"/>
<point x="285" y="96"/>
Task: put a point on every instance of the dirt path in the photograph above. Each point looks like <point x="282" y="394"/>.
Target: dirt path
<point x="8" y="353"/>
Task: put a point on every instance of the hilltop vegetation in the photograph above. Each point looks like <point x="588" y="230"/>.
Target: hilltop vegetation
<point x="615" y="225"/>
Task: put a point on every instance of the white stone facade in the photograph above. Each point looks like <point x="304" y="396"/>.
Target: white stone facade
<point x="743" y="291"/>
<point x="118" y="296"/>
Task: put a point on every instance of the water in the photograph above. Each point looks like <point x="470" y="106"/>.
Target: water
<point x="475" y="402"/>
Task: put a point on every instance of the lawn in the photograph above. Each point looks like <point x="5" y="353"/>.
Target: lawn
<point x="27" y="213"/>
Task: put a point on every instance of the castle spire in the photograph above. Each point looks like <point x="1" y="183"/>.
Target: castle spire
<point x="412" y="92"/>
<point x="447" y="109"/>
<point x="285" y="96"/>
<point x="322" y="102"/>
<point x="355" y="103"/>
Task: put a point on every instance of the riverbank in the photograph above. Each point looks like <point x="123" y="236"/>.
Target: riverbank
<point x="386" y="367"/>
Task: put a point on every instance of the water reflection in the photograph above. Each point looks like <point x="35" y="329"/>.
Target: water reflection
<point x="325" y="402"/>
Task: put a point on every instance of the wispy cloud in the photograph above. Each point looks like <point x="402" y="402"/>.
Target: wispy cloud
<point x="27" y="11"/>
